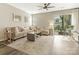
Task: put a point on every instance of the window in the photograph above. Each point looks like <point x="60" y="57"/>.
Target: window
<point x="62" y="23"/>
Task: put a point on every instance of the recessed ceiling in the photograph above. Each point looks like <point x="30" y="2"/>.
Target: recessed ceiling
<point x="33" y="8"/>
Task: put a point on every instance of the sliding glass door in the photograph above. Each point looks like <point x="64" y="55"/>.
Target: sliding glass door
<point x="62" y="24"/>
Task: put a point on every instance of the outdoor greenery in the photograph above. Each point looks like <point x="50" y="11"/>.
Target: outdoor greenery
<point x="63" y="24"/>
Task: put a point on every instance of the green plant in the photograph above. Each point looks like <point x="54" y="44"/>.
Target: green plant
<point x="63" y="24"/>
<point x="69" y="27"/>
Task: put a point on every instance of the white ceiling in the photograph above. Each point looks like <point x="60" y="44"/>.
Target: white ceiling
<point x="33" y="8"/>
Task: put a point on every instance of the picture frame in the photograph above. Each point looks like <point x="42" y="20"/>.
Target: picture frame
<point x="16" y="18"/>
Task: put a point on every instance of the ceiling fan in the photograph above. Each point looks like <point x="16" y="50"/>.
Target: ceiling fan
<point x="46" y="6"/>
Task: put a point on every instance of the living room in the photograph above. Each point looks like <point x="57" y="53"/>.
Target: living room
<point x="29" y="28"/>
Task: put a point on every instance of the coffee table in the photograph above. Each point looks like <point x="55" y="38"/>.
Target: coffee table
<point x="31" y="36"/>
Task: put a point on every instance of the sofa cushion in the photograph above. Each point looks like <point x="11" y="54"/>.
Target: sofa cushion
<point x="20" y="34"/>
<point x="16" y="31"/>
<point x="20" y="29"/>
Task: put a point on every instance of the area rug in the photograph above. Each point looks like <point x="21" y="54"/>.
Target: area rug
<point x="47" y="45"/>
<point x="6" y="50"/>
<point x="41" y="46"/>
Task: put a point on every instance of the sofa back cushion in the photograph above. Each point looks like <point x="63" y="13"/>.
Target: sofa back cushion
<point x="20" y="29"/>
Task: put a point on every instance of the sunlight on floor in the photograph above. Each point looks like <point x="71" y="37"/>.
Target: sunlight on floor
<point x="58" y="40"/>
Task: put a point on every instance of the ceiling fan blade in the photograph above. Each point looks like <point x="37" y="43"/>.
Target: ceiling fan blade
<point x="48" y="4"/>
<point x="45" y="4"/>
<point x="51" y="7"/>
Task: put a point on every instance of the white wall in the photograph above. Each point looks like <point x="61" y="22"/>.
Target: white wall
<point x="44" y="19"/>
<point x="6" y="18"/>
<point x="75" y="20"/>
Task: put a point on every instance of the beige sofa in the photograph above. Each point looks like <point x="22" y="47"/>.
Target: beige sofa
<point x="42" y="30"/>
<point x="20" y="32"/>
<point x="16" y="32"/>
